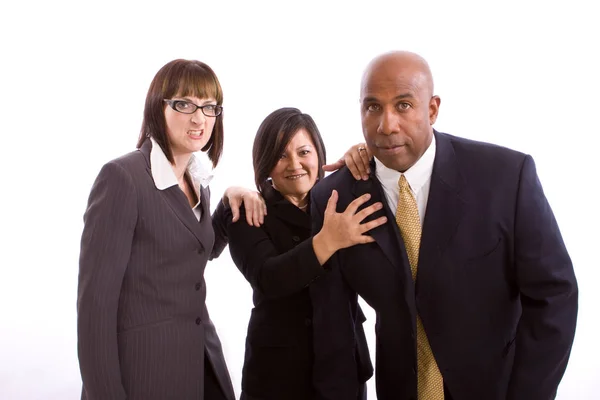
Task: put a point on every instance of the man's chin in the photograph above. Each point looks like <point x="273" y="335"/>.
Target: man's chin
<point x="397" y="163"/>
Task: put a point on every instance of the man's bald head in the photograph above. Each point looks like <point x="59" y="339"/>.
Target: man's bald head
<point x="398" y="108"/>
<point x="399" y="62"/>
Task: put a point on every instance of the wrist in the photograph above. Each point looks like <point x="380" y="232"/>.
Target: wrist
<point x="323" y="247"/>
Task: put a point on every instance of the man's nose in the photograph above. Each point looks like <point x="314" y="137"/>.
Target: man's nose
<point x="388" y="124"/>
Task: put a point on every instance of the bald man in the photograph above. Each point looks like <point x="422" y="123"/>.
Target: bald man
<point x="474" y="290"/>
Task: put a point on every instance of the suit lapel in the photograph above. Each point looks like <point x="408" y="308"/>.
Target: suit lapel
<point x="290" y="214"/>
<point x="204" y="203"/>
<point x="444" y="210"/>
<point x="283" y="209"/>
<point x="177" y="201"/>
<point x="386" y="236"/>
<point x="180" y="206"/>
<point x="444" y="207"/>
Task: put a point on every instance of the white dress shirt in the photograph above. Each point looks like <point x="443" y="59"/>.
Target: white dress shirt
<point x="164" y="176"/>
<point x="418" y="177"/>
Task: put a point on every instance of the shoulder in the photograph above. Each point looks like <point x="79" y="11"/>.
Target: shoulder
<point x="132" y="161"/>
<point x="341" y="180"/>
<point x="480" y="150"/>
<point x="129" y="164"/>
<point x="482" y="167"/>
<point x="122" y="172"/>
<point x="478" y="156"/>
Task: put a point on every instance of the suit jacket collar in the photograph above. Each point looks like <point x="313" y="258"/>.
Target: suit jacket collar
<point x="443" y="213"/>
<point x="283" y="209"/>
<point x="145" y="149"/>
<point x="387" y="236"/>
<point x="444" y="208"/>
<point x="417" y="175"/>
<point x="178" y="202"/>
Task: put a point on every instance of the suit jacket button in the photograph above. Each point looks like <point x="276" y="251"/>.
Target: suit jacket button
<point x="200" y="250"/>
<point x="198" y="321"/>
<point x="307" y="322"/>
<point x="296" y="238"/>
<point x="198" y="286"/>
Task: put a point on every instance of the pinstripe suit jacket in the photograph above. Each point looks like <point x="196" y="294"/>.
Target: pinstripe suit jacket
<point x="143" y="327"/>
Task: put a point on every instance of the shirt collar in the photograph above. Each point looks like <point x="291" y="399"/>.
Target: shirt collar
<point x="164" y="177"/>
<point x="417" y="175"/>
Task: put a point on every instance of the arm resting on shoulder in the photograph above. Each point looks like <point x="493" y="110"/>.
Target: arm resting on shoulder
<point x="272" y="273"/>
<point x="219" y="222"/>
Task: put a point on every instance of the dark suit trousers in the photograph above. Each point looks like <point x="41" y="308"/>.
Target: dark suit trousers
<point x="212" y="389"/>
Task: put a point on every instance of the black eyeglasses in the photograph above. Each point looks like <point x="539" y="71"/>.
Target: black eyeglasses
<point x="187" y="107"/>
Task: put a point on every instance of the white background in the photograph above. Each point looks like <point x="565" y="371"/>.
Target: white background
<point x="74" y="77"/>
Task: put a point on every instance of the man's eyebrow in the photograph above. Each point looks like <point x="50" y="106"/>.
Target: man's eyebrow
<point x="404" y="96"/>
<point x="401" y="96"/>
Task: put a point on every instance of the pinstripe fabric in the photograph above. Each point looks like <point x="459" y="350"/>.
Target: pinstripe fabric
<point x="143" y="326"/>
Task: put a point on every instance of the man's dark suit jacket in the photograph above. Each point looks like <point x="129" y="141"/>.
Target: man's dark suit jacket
<point x="143" y="326"/>
<point x="279" y="262"/>
<point x="495" y="288"/>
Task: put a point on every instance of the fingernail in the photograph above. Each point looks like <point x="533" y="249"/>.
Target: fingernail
<point x="365" y="178"/>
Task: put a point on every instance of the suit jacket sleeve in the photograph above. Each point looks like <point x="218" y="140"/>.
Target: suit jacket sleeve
<point x="109" y="224"/>
<point x="335" y="369"/>
<point x="257" y="258"/>
<point x="219" y="223"/>
<point x="548" y="290"/>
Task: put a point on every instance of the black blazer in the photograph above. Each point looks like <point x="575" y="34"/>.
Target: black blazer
<point x="142" y="323"/>
<point x="279" y="262"/>
<point x="495" y="288"/>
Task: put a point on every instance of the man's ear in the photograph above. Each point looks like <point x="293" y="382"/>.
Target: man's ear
<point x="434" y="107"/>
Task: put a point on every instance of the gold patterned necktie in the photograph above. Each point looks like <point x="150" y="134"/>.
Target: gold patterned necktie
<point x="430" y="384"/>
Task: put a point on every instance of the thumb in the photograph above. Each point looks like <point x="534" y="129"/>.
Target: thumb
<point x="332" y="202"/>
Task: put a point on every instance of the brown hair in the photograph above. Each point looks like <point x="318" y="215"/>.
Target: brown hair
<point x="181" y="78"/>
<point x="273" y="136"/>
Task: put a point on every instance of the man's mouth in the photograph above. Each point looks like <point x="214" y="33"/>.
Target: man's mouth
<point x="389" y="146"/>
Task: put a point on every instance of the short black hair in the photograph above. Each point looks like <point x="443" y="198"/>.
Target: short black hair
<point x="273" y="136"/>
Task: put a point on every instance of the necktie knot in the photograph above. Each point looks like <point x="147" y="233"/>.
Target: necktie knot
<point x="409" y="223"/>
<point x="403" y="183"/>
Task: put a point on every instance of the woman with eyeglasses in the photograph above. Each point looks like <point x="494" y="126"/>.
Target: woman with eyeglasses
<point x="144" y="332"/>
<point x="280" y="259"/>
